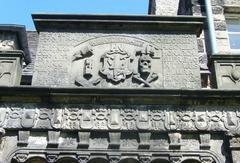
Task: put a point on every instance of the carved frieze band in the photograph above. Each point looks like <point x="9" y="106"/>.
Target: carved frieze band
<point x="156" y="118"/>
<point x="52" y="158"/>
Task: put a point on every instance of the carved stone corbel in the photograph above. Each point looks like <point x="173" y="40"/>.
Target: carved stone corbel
<point x="53" y="137"/>
<point x="23" y="137"/>
<point x="83" y="139"/>
<point x="144" y="140"/>
<point x="205" y="141"/>
<point x="114" y="138"/>
<point x="175" y="140"/>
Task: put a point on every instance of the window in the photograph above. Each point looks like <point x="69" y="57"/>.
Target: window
<point x="233" y="27"/>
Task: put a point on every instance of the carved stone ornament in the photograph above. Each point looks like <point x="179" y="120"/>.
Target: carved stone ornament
<point x="114" y="158"/>
<point x="116" y="64"/>
<point x="7" y="41"/>
<point x="120" y="65"/>
<point x="145" y="159"/>
<point x="235" y="142"/>
<point x="21" y="157"/>
<point x="206" y="159"/>
<point x="175" y="159"/>
<point x="51" y="158"/>
<point x="158" y="118"/>
<point x="83" y="158"/>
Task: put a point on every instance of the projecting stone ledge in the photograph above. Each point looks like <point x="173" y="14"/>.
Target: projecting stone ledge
<point x="105" y="51"/>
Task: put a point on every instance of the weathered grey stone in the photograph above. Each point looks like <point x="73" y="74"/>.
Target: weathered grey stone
<point x="163" y="7"/>
<point x="232" y="2"/>
<point x="226" y="68"/>
<point x="116" y="60"/>
<point x="220" y="26"/>
<point x="10" y="67"/>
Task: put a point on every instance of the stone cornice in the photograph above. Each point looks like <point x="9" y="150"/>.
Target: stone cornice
<point x="115" y="22"/>
<point x="119" y="96"/>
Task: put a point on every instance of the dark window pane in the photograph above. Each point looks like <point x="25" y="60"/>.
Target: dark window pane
<point x="234" y="41"/>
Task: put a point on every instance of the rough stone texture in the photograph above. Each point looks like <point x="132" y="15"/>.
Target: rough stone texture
<point x="32" y="37"/>
<point x="232" y="2"/>
<point x="175" y="61"/>
<point x="166" y="8"/>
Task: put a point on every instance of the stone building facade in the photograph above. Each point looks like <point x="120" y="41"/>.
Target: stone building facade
<point x="123" y="89"/>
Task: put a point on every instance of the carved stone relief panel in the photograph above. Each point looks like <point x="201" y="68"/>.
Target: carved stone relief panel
<point x="112" y="60"/>
<point x="230" y="75"/>
<point x="116" y="61"/>
<point x="119" y="117"/>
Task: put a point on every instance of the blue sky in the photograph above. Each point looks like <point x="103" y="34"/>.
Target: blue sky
<point x="19" y="11"/>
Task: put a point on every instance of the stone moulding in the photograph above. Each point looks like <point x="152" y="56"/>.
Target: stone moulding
<point x="115" y="156"/>
<point x="44" y="21"/>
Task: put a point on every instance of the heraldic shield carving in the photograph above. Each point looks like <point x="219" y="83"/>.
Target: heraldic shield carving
<point x="117" y="62"/>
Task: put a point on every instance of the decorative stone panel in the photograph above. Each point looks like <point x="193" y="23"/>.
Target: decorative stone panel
<point x="226" y="71"/>
<point x="10" y="67"/>
<point x="160" y="55"/>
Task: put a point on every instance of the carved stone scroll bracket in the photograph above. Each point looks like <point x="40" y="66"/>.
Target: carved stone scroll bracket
<point x="114" y="158"/>
<point x="83" y="158"/>
<point x="144" y="140"/>
<point x="175" y="140"/>
<point x="52" y="158"/>
<point x="83" y="139"/>
<point x="145" y="159"/>
<point x="53" y="137"/>
<point x="21" y="157"/>
<point x="206" y="159"/>
<point x="23" y="137"/>
<point x="175" y="158"/>
<point x="114" y="138"/>
<point x="205" y="141"/>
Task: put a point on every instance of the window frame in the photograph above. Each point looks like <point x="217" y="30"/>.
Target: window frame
<point x="228" y="18"/>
